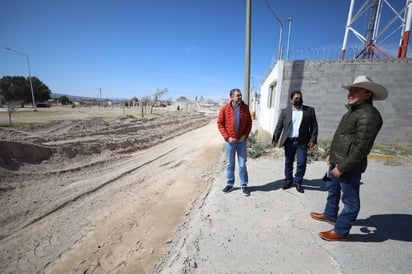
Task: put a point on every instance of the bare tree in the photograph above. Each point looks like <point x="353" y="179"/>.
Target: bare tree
<point x="145" y="101"/>
<point x="11" y="109"/>
<point x="158" y="94"/>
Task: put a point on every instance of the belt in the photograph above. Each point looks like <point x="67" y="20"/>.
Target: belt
<point x="293" y="138"/>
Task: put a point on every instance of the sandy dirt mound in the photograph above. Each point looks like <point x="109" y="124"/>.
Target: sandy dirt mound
<point x="100" y="196"/>
<point x="67" y="139"/>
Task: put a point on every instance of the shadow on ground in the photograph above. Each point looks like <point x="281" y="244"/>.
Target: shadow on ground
<point x="313" y="185"/>
<point x="379" y="228"/>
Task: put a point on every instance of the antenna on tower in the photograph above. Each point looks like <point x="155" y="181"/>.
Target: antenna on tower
<point x="375" y="36"/>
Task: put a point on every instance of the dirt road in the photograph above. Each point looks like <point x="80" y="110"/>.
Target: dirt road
<point x="104" y="197"/>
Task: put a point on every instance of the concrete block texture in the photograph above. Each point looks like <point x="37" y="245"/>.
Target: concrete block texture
<point x="320" y="83"/>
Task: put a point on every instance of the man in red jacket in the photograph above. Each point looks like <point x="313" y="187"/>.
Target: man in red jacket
<point x="234" y="123"/>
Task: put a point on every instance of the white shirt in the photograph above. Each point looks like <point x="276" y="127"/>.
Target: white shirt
<point x="297" y="115"/>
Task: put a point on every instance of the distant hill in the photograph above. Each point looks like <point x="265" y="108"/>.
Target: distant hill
<point x="80" y="98"/>
<point x="72" y="97"/>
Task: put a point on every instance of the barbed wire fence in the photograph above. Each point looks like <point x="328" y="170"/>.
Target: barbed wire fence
<point x="329" y="53"/>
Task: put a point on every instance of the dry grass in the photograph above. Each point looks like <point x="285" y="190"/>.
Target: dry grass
<point x="25" y="116"/>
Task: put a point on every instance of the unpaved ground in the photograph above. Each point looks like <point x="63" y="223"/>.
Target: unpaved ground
<point x="99" y="196"/>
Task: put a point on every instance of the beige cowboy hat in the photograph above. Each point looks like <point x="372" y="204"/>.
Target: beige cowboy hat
<point x="379" y="91"/>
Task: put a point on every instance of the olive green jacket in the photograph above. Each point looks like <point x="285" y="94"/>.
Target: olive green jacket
<point x="354" y="137"/>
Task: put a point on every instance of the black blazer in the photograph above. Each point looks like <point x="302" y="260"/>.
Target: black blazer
<point x="308" y="131"/>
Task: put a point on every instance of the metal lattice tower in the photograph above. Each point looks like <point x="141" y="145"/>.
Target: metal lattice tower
<point x="379" y="30"/>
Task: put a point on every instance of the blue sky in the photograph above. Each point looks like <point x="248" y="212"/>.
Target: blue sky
<point x="132" y="48"/>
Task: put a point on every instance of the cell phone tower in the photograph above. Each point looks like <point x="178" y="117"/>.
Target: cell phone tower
<point x="384" y="21"/>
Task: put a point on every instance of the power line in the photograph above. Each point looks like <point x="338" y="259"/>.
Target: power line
<point x="280" y="50"/>
<point x="272" y="11"/>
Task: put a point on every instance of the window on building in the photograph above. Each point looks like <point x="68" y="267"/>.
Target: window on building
<point x="271" y="95"/>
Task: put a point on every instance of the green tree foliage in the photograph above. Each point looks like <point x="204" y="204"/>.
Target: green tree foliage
<point x="12" y="88"/>
<point x="17" y="88"/>
<point x="41" y="90"/>
<point x="64" y="100"/>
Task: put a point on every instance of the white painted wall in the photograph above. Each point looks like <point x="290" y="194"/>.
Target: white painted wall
<point x="269" y="112"/>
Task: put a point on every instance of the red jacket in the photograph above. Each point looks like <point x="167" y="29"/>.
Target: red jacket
<point x="226" y="121"/>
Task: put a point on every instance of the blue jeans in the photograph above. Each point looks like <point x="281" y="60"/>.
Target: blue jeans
<point x="241" y="149"/>
<point x="346" y="187"/>
<point x="293" y="148"/>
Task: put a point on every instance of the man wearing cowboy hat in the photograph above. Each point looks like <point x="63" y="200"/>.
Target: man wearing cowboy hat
<point x="347" y="158"/>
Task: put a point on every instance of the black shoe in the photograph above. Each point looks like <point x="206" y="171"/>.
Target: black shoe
<point x="326" y="178"/>
<point x="287" y="185"/>
<point x="299" y="188"/>
<point x="245" y="191"/>
<point x="228" y="189"/>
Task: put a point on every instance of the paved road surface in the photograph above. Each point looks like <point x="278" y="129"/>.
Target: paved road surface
<point x="271" y="231"/>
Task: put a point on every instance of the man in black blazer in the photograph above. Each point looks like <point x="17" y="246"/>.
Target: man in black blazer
<point x="299" y="129"/>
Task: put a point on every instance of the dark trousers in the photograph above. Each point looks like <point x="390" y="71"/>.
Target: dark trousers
<point x="345" y="188"/>
<point x="293" y="148"/>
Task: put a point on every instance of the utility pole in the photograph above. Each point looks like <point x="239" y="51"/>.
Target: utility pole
<point x="280" y="50"/>
<point x="100" y="96"/>
<point x="289" y="31"/>
<point x="28" y="65"/>
<point x="246" y="88"/>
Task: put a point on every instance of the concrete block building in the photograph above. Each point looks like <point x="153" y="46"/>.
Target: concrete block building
<point x="320" y="83"/>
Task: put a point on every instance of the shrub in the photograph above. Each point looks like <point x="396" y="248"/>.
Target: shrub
<point x="259" y="144"/>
